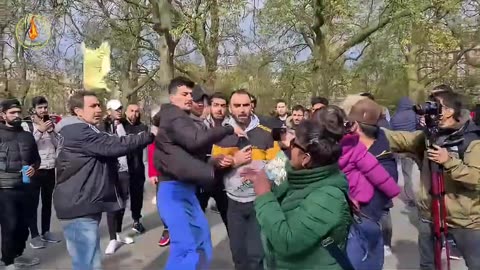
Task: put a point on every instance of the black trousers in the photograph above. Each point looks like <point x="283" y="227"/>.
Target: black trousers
<point x="220" y="196"/>
<point x="467" y="242"/>
<point x="43" y="182"/>
<point x="137" y="183"/>
<point x="245" y="240"/>
<point x="115" y="219"/>
<point x="14" y="223"/>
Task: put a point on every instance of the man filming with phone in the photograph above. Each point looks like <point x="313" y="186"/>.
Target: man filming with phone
<point x="250" y="151"/>
<point x="42" y="128"/>
<point x="456" y="149"/>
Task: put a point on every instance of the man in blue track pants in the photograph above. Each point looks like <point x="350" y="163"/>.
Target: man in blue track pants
<point x="180" y="154"/>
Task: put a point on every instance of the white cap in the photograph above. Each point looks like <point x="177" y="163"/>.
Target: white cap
<point x="114" y="104"/>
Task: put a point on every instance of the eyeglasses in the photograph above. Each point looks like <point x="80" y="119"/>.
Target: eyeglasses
<point x="293" y="144"/>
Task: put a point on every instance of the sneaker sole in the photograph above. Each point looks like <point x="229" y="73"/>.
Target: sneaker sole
<point x="37" y="247"/>
<point x="137" y="231"/>
<point x="164" y="244"/>
<point x="23" y="265"/>
<point x="52" y="241"/>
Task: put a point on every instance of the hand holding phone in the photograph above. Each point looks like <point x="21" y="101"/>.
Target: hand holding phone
<point x="243" y="156"/>
<point x="46" y="118"/>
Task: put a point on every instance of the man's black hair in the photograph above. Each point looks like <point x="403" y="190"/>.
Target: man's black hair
<point x="240" y="92"/>
<point x="156" y="120"/>
<point x="281" y="101"/>
<point x="179" y="82"/>
<point x="368" y="95"/>
<point x="38" y="100"/>
<point x="443" y="88"/>
<point x="254" y="100"/>
<point x="298" y="108"/>
<point x="218" y="95"/>
<point x="317" y="100"/>
<point x="453" y="101"/>
<point x="77" y="100"/>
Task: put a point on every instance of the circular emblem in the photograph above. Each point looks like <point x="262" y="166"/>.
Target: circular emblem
<point x="33" y="31"/>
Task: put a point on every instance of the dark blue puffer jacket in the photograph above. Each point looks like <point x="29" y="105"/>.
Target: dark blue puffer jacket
<point x="405" y="118"/>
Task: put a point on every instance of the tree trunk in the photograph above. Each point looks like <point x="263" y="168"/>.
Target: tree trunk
<point x="320" y="74"/>
<point x="211" y="59"/>
<point x="166" y="70"/>
<point x="320" y="80"/>
<point x="416" y="90"/>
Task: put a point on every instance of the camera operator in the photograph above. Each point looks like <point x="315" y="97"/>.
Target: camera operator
<point x="460" y="160"/>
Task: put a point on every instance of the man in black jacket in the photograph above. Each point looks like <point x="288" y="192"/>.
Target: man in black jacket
<point x="179" y="157"/>
<point x="87" y="177"/>
<point x="136" y="166"/>
<point x="18" y="152"/>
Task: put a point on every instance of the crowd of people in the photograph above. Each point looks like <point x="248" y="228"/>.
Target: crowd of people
<point x="299" y="189"/>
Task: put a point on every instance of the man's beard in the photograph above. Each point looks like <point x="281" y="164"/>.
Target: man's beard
<point x="244" y="120"/>
<point x="16" y="122"/>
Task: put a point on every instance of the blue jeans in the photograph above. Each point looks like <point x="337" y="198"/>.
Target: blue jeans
<point x="365" y="246"/>
<point x="83" y="242"/>
<point x="190" y="242"/>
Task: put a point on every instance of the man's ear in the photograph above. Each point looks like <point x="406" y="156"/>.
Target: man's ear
<point x="78" y="111"/>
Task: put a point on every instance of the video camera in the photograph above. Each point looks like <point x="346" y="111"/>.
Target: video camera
<point x="431" y="111"/>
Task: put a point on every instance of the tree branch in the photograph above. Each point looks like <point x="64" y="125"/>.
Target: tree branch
<point x="359" y="55"/>
<point x="142" y="83"/>
<point x="448" y="67"/>
<point x="188" y="73"/>
<point x="367" y="32"/>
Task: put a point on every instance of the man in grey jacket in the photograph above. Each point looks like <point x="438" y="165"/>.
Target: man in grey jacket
<point x="43" y="182"/>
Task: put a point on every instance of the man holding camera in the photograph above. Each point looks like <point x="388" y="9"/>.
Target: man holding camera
<point x="456" y="148"/>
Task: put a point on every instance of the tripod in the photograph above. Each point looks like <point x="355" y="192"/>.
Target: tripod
<point x="439" y="215"/>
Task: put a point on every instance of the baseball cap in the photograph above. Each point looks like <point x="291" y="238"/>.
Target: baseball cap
<point x="8" y="104"/>
<point x="366" y="111"/>
<point x="198" y="93"/>
<point x="114" y="104"/>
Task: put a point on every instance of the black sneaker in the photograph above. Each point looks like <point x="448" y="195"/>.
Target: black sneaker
<point x="138" y="227"/>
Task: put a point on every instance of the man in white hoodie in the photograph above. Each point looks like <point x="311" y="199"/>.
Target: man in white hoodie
<point x="43" y="181"/>
<point x="253" y="152"/>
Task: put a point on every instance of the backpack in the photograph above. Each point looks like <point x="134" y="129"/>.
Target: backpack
<point x="357" y="240"/>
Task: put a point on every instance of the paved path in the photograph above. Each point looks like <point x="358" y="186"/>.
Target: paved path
<point x="145" y="254"/>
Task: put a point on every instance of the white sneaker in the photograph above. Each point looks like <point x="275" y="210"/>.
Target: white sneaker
<point x="113" y="245"/>
<point x="11" y="267"/>
<point x="25" y="261"/>
<point x="126" y="240"/>
<point x="387" y="251"/>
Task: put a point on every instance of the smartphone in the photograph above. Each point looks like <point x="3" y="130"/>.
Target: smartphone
<point x="46" y="118"/>
<point x="243" y="142"/>
<point x="277" y="133"/>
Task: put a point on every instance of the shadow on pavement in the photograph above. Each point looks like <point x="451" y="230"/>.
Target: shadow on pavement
<point x="406" y="253"/>
<point x="54" y="251"/>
